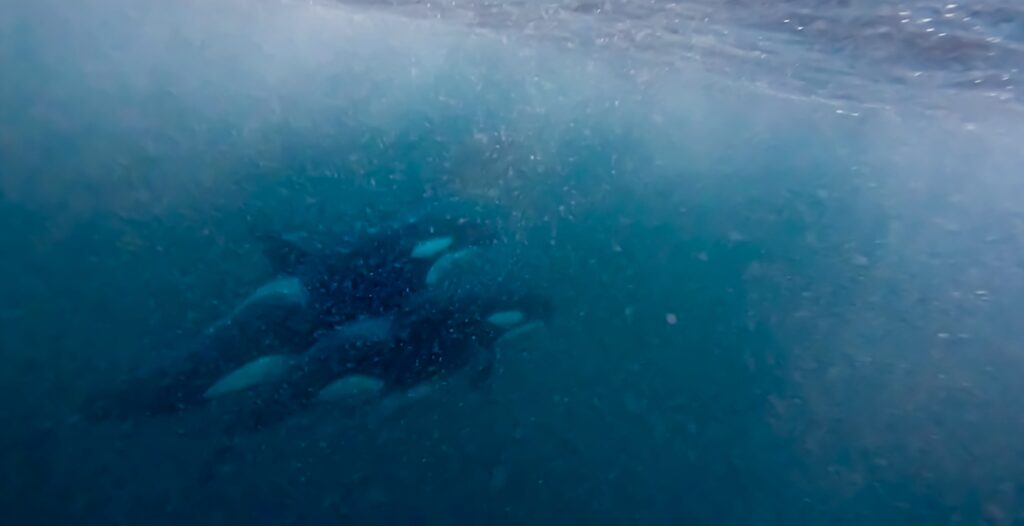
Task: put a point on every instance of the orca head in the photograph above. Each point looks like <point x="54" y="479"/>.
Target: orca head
<point x="495" y="286"/>
<point x="511" y="310"/>
<point x="511" y="316"/>
<point x="432" y="235"/>
<point x="491" y="315"/>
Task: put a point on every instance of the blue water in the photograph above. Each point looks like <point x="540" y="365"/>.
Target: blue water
<point x="787" y="261"/>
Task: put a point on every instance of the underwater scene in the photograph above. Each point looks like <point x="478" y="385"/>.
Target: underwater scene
<point x="398" y="262"/>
